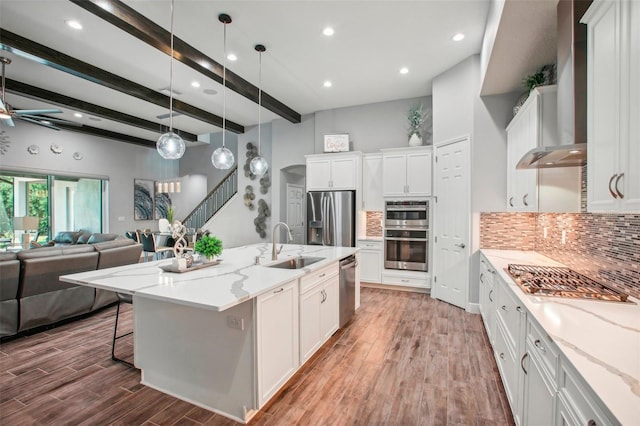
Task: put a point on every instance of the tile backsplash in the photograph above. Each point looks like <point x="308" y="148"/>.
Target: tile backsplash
<point x="605" y="247"/>
<point x="374" y="223"/>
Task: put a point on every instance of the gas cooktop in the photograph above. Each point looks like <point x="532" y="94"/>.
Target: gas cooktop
<point x="561" y="281"/>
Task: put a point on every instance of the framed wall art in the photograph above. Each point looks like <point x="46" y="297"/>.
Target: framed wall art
<point x="143" y="199"/>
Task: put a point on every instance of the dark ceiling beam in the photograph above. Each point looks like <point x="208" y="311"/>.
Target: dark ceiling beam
<point x="23" y="89"/>
<point x="27" y="48"/>
<point x="127" y="19"/>
<point x="95" y="131"/>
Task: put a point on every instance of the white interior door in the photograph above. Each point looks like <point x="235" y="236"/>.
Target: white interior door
<point x="452" y="221"/>
<point x="295" y="212"/>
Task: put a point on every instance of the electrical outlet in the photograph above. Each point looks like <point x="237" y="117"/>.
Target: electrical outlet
<point x="564" y="237"/>
<point x="120" y="218"/>
<point x="235" y="322"/>
<point x="544" y="232"/>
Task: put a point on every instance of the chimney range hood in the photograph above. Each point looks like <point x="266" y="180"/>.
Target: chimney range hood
<point x="571" y="147"/>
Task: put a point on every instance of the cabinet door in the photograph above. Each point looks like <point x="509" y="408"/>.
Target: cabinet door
<point x="394" y="175"/>
<point x="310" y="337"/>
<point x="527" y="180"/>
<point x="318" y="174"/>
<point x="343" y="173"/>
<point x="487" y="299"/>
<point x="419" y="174"/>
<point x="329" y="308"/>
<point x="370" y="265"/>
<point x="539" y="394"/>
<point x="372" y="183"/>
<point x="277" y="338"/>
<point x="603" y="108"/>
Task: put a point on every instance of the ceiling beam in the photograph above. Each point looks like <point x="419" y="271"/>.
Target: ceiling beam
<point x="23" y="89"/>
<point x="30" y="49"/>
<point x="127" y="19"/>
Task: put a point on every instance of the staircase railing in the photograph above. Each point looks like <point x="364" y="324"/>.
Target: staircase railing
<point x="214" y="201"/>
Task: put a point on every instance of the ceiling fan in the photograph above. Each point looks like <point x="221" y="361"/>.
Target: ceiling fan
<point x="36" y="116"/>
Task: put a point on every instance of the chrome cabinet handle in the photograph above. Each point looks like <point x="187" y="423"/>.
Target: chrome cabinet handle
<point x="526" y="354"/>
<point x="519" y="309"/>
<point x="481" y="276"/>
<point x="490" y="291"/>
<point x="501" y="355"/>
<point x="591" y="422"/>
<point x="322" y="275"/>
<point x="511" y="201"/>
<point x="278" y="291"/>
<point x="504" y="308"/>
<point x="613" y="194"/>
<point x="461" y="245"/>
<point x="493" y="271"/>
<point x="404" y="281"/>
<point x="538" y="345"/>
<point x="524" y="199"/>
<point x="620" y="194"/>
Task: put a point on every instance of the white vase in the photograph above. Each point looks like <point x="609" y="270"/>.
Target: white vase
<point x="415" y="140"/>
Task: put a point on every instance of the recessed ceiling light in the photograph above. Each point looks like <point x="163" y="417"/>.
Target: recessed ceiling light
<point x="195" y="84"/>
<point x="458" y="37"/>
<point x="404" y="70"/>
<point x="74" y="24"/>
<point x="95" y="119"/>
<point x="46" y="122"/>
<point x="77" y="114"/>
<point x="549" y="164"/>
<point x="328" y="31"/>
<point x="327" y="84"/>
<point x="232" y="57"/>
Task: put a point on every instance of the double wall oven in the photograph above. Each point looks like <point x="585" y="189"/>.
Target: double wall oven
<point x="406" y="235"/>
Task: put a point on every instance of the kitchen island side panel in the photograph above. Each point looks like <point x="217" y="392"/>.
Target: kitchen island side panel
<point x="192" y="354"/>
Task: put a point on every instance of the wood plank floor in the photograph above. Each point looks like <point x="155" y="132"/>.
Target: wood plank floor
<point x="405" y="359"/>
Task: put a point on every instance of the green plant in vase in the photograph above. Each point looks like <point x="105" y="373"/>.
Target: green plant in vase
<point x="209" y="247"/>
<point x="170" y="213"/>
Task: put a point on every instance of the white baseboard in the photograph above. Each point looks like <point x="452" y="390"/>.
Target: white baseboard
<point x="473" y="308"/>
<point x="395" y="287"/>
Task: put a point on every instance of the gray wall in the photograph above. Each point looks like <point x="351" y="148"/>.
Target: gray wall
<point x="103" y="158"/>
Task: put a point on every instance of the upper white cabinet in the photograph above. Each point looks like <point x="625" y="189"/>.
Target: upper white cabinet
<point x="333" y="172"/>
<point x="613" y="106"/>
<point x="544" y="190"/>
<point x="372" y="182"/>
<point x="407" y="172"/>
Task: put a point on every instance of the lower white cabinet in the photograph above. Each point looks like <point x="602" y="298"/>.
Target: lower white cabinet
<point x="319" y="313"/>
<point x="277" y="338"/>
<point x="539" y="390"/>
<point x="402" y="278"/>
<point x="487" y="298"/>
<point x="370" y="261"/>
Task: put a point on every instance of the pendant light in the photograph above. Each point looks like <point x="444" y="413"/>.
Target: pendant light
<point x="259" y="165"/>
<point x="170" y="146"/>
<point x="222" y="158"/>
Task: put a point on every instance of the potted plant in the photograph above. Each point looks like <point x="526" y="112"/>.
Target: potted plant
<point x="416" y="117"/>
<point x="170" y="212"/>
<point x="208" y="246"/>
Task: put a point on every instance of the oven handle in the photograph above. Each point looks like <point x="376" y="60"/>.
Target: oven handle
<point x="404" y="239"/>
<point x="407" y="209"/>
<point x="408" y="228"/>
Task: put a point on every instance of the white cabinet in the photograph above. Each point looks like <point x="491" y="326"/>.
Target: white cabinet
<point x="487" y="297"/>
<point x="406" y="172"/>
<point x="333" y="172"/>
<point x="613" y="106"/>
<point x="277" y="338"/>
<point x="319" y="310"/>
<point x="544" y="190"/>
<point x="415" y="279"/>
<point x="372" y="182"/>
<point x="370" y="260"/>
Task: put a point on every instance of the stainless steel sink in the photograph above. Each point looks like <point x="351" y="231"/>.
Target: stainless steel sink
<point x="295" y="262"/>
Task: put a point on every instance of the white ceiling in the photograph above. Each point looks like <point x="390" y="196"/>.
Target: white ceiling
<point x="372" y="41"/>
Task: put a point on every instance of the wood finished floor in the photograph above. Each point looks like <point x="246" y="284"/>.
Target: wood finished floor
<point x="405" y="359"/>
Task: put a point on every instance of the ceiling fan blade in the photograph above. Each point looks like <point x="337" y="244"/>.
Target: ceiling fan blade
<point x="36" y="111"/>
<point x="51" y="119"/>
<point x="38" y="122"/>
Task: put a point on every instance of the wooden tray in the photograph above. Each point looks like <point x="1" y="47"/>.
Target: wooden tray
<point x="172" y="268"/>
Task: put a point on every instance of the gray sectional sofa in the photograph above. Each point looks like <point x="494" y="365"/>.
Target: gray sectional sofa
<point x="32" y="295"/>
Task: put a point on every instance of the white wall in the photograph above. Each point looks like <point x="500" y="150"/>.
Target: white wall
<point x="491" y="30"/>
<point x="116" y="161"/>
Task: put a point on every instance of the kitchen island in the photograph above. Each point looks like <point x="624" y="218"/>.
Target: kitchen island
<point x="228" y="337"/>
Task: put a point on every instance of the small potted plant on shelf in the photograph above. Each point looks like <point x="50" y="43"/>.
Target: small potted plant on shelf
<point x="209" y="247"/>
<point x="416" y="117"/>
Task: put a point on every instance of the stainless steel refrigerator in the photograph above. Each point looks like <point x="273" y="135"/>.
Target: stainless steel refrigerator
<point x="331" y="218"/>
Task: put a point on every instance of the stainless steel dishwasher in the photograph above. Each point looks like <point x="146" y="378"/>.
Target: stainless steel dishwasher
<point x="347" y="289"/>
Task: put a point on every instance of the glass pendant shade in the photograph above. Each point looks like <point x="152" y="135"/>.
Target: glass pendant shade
<point x="259" y="166"/>
<point x="170" y="146"/>
<point x="222" y="158"/>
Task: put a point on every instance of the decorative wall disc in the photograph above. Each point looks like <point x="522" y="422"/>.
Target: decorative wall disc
<point x="33" y="149"/>
<point x="77" y="156"/>
<point x="56" y="149"/>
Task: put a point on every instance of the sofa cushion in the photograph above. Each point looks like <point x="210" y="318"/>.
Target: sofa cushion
<point x="9" y="276"/>
<point x="83" y="238"/>
<point x="52" y="307"/>
<point x="41" y="252"/>
<point x="99" y="238"/>
<point x="67" y="237"/>
<point x="118" y="253"/>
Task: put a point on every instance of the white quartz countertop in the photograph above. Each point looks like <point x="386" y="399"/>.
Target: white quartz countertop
<point x="600" y="339"/>
<point x="236" y="279"/>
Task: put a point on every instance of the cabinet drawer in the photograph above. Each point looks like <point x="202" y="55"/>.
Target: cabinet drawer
<point x="507" y="365"/>
<point x="407" y="281"/>
<point x="370" y="245"/>
<point x="509" y="309"/>
<point x="544" y="348"/>
<point x="581" y="402"/>
<point x="313" y="278"/>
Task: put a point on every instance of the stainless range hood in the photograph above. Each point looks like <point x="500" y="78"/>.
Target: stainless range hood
<point x="570" y="149"/>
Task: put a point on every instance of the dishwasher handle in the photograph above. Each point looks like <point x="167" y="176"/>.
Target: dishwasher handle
<point x="348" y="263"/>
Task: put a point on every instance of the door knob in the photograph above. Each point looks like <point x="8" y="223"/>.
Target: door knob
<point x="461" y="245"/>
